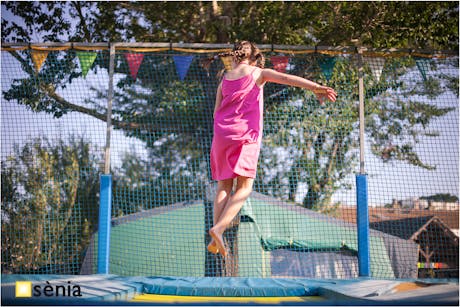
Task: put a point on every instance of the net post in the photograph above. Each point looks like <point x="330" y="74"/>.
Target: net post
<point x="105" y="204"/>
<point x="362" y="216"/>
<point x="361" y="109"/>
<point x="362" y="211"/>
<point x="109" y="109"/>
<point x="105" y="193"/>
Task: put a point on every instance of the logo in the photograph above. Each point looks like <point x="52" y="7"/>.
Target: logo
<point x="26" y="289"/>
<point x="23" y="289"/>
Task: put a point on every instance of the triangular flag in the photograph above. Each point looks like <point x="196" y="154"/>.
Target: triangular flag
<point x="376" y="65"/>
<point x="86" y="61"/>
<point x="182" y="64"/>
<point x="279" y="62"/>
<point x="327" y="66"/>
<point x="423" y="66"/>
<point x="38" y="58"/>
<point x="134" y="62"/>
<point x="227" y="62"/>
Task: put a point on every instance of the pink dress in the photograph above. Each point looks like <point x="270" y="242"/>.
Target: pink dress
<point x="238" y="126"/>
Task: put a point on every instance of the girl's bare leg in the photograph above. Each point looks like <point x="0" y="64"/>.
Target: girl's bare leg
<point x="224" y="190"/>
<point x="233" y="206"/>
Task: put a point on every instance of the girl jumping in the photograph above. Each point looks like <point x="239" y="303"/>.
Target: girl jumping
<point x="238" y="122"/>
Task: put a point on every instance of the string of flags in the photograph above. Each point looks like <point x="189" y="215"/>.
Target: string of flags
<point x="134" y="62"/>
<point x="182" y="63"/>
<point x="280" y="62"/>
<point x="86" y="61"/>
<point x="376" y="64"/>
<point x="38" y="58"/>
<point x="423" y="66"/>
<point x="327" y="64"/>
<point x="432" y="265"/>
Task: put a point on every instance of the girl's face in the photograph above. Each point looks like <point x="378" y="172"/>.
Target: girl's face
<point x="247" y="49"/>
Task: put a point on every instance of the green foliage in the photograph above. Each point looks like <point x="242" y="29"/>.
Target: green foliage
<point x="373" y="24"/>
<point x="399" y="111"/>
<point x="322" y="136"/>
<point x="49" y="197"/>
<point x="444" y="197"/>
<point x="390" y="24"/>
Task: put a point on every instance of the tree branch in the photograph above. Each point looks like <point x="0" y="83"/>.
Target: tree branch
<point x="77" y="6"/>
<point x="51" y="92"/>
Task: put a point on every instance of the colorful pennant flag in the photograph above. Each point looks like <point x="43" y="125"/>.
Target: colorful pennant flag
<point x="227" y="62"/>
<point x="327" y="64"/>
<point x="376" y="65"/>
<point x="279" y="62"/>
<point x="86" y="61"/>
<point x="182" y="64"/>
<point x="134" y="62"/>
<point x="38" y="58"/>
<point x="423" y="66"/>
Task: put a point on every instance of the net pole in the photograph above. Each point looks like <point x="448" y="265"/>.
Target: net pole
<point x="109" y="109"/>
<point x="362" y="211"/>
<point x="105" y="203"/>
<point x="361" y="110"/>
<point x="105" y="200"/>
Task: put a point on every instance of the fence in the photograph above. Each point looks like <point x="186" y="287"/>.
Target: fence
<point x="143" y="113"/>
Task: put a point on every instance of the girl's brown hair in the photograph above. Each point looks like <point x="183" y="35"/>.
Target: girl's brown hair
<point x="239" y="55"/>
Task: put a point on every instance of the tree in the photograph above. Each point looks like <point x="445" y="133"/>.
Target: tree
<point x="444" y="197"/>
<point x="49" y="197"/>
<point x="375" y="24"/>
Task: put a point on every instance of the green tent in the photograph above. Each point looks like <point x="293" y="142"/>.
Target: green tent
<point x="170" y="241"/>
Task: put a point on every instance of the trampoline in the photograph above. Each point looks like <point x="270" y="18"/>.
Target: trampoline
<point x="118" y="290"/>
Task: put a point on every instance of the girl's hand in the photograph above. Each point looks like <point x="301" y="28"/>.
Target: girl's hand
<point x="324" y="93"/>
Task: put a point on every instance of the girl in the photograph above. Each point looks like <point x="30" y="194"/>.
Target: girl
<point x="238" y="121"/>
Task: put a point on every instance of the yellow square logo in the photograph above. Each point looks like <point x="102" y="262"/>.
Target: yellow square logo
<point x="23" y="289"/>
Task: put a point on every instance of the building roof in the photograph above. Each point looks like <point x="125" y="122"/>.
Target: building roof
<point x="410" y="228"/>
<point x="377" y="214"/>
<point x="403" y="228"/>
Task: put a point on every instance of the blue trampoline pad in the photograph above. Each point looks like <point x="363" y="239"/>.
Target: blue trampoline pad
<point x="120" y="290"/>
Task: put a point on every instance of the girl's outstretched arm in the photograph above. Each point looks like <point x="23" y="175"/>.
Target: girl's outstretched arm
<point x="321" y="92"/>
<point x="218" y="98"/>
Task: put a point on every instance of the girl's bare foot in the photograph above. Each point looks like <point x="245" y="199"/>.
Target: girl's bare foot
<point x="212" y="248"/>
<point x="219" y="241"/>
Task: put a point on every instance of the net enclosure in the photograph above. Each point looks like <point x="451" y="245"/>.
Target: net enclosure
<point x="143" y="113"/>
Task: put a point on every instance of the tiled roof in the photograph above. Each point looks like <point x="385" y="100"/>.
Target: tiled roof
<point x="376" y="214"/>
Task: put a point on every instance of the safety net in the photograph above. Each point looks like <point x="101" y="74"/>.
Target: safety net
<point x="300" y="220"/>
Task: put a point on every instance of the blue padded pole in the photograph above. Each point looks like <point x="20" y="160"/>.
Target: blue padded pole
<point x="105" y="205"/>
<point x="362" y="214"/>
<point x="105" y="195"/>
<point x="363" y="226"/>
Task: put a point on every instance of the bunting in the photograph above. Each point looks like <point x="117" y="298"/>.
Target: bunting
<point x="327" y="64"/>
<point x="182" y="64"/>
<point x="423" y="66"/>
<point x="86" y="61"/>
<point x="279" y="62"/>
<point x="227" y="62"/>
<point x="38" y="58"/>
<point x="134" y="62"/>
<point x="376" y="65"/>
